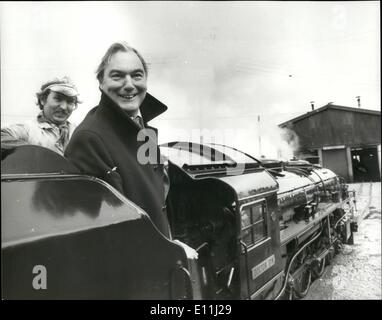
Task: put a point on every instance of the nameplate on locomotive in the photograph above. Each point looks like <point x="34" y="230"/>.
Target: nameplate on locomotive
<point x="263" y="266"/>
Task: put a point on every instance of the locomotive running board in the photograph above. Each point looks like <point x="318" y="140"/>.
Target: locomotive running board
<point x="294" y="229"/>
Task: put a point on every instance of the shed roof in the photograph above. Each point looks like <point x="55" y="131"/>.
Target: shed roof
<point x="326" y="107"/>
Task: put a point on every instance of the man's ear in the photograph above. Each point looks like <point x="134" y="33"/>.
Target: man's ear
<point x="41" y="104"/>
<point x="42" y="101"/>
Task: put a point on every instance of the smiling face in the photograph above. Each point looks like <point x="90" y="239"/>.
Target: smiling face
<point x="125" y="81"/>
<point x="57" y="107"/>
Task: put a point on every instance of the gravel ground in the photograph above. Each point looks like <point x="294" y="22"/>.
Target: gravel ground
<point x="356" y="272"/>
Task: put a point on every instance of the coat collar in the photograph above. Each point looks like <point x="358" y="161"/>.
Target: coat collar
<point x="44" y="123"/>
<point x="150" y="108"/>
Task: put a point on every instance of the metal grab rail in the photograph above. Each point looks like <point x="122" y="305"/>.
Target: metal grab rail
<point x="246" y="267"/>
<point x="189" y="294"/>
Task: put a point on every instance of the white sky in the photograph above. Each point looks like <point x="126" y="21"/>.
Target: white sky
<point x="217" y="65"/>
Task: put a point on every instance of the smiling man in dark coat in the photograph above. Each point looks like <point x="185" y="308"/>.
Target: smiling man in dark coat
<point x="112" y="141"/>
<point x="105" y="144"/>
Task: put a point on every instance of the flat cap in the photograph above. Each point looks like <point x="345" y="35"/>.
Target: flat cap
<point x="64" y="88"/>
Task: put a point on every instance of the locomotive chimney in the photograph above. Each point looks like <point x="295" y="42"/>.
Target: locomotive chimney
<point x="312" y="104"/>
<point x="359" y="101"/>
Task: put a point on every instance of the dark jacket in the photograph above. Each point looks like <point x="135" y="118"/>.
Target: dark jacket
<point x="105" y="145"/>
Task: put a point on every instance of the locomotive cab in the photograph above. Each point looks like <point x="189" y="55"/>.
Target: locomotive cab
<point x="224" y="203"/>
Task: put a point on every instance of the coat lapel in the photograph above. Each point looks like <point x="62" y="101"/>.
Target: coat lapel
<point x="150" y="108"/>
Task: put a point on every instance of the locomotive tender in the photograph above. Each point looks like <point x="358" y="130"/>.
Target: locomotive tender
<point x="263" y="229"/>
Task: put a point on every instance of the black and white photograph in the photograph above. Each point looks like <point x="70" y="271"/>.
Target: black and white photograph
<point x="190" y="150"/>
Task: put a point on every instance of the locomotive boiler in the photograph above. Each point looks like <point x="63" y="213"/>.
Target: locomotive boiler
<point x="263" y="229"/>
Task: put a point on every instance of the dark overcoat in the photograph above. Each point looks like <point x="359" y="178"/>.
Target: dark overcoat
<point x="105" y="145"/>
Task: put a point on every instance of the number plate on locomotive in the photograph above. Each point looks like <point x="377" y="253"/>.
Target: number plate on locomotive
<point x="263" y="266"/>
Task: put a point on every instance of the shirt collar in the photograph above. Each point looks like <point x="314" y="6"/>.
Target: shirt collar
<point x="44" y="125"/>
<point x="138" y="114"/>
<point x="49" y="125"/>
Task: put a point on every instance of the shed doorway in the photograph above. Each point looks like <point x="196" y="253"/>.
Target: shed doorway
<point x="365" y="164"/>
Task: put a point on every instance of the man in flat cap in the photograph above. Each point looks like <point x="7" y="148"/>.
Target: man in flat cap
<point x="51" y="129"/>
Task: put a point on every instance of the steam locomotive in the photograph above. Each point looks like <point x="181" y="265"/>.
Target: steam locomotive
<point x="262" y="229"/>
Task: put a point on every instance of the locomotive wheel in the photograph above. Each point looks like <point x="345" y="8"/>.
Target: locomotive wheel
<point x="302" y="283"/>
<point x="318" y="268"/>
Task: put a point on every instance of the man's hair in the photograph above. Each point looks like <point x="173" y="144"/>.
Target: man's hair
<point x="43" y="94"/>
<point x="114" y="48"/>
